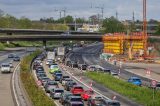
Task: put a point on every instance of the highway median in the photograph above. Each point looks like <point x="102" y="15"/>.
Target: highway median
<point x="142" y="95"/>
<point x="36" y="94"/>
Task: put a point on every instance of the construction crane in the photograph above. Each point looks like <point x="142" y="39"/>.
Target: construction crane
<point x="145" y="26"/>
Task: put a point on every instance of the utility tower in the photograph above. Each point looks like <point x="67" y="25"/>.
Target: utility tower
<point x="60" y="16"/>
<point x="64" y="15"/>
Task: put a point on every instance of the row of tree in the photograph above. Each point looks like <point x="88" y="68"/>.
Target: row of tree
<point x="8" y="21"/>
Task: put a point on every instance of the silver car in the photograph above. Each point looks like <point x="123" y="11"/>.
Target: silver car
<point x="56" y="93"/>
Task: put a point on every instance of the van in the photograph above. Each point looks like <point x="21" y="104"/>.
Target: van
<point x="5" y="68"/>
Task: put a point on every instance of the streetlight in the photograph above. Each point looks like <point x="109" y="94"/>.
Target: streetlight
<point x="75" y="24"/>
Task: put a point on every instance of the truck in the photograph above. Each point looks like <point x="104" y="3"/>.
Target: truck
<point x="51" y="55"/>
<point x="61" y="51"/>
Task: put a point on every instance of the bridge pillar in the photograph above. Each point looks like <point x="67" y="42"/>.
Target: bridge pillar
<point x="44" y="44"/>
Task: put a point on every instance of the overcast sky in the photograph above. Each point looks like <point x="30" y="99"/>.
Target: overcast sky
<point x="36" y="9"/>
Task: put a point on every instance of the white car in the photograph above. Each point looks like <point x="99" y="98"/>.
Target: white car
<point x="48" y="61"/>
<point x="5" y="68"/>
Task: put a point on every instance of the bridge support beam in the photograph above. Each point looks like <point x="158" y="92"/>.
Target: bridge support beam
<point x="44" y="44"/>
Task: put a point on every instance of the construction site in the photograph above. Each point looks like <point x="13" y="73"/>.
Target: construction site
<point x="130" y="47"/>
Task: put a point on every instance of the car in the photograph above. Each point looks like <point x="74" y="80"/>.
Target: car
<point x="91" y="68"/>
<point x="5" y="68"/>
<point x="68" y="63"/>
<point x="11" y="55"/>
<point x="43" y="80"/>
<point x="74" y="101"/>
<point x="64" y="96"/>
<point x="58" y="76"/>
<point x="66" y="80"/>
<point x="48" y="61"/>
<point x="56" y="93"/>
<point x="87" y="94"/>
<point x="63" y="78"/>
<point x="53" y="68"/>
<point x="95" y="100"/>
<point x="114" y="74"/>
<point x="11" y="64"/>
<point x="73" y="64"/>
<point x="50" y="85"/>
<point x="77" y="90"/>
<point x="41" y="75"/>
<point x="135" y="81"/>
<point x="69" y="84"/>
<point x="67" y="33"/>
<point x="82" y="66"/>
<point x="16" y="58"/>
<point x="108" y="102"/>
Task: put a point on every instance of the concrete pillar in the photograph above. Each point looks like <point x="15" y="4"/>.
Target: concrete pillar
<point x="44" y="44"/>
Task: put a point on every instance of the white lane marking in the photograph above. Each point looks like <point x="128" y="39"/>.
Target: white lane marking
<point x="14" y="91"/>
<point x="87" y="85"/>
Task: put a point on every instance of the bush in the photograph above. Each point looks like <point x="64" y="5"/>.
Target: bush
<point x="36" y="94"/>
<point x="142" y="95"/>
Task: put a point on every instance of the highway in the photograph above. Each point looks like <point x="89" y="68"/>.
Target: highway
<point x="9" y="85"/>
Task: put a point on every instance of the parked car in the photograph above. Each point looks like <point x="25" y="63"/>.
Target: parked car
<point x="114" y="74"/>
<point x="108" y="102"/>
<point x="16" y="58"/>
<point x="5" y="68"/>
<point x="77" y="90"/>
<point x="135" y="81"/>
<point x="74" y="101"/>
<point x="56" y="93"/>
<point x="64" y="97"/>
<point x="68" y="85"/>
<point x="87" y="94"/>
<point x="50" y="85"/>
<point x="82" y="66"/>
<point x="95" y="100"/>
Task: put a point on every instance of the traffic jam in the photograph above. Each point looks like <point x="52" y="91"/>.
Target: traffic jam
<point x="63" y="87"/>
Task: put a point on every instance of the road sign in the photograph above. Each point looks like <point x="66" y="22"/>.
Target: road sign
<point x="154" y="83"/>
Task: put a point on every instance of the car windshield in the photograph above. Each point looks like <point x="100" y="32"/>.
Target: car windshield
<point x="59" y="91"/>
<point x="113" y="104"/>
<point x="137" y="80"/>
<point x="59" y="74"/>
<point x="52" y="83"/>
<point x="76" y="99"/>
<point x="7" y="65"/>
<point x="66" y="77"/>
<point x="78" y="88"/>
<point x="53" y="66"/>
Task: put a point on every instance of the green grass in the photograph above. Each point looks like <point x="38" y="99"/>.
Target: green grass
<point x="36" y="94"/>
<point x="141" y="95"/>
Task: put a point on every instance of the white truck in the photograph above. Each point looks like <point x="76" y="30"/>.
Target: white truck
<point x="51" y="55"/>
<point x="61" y="51"/>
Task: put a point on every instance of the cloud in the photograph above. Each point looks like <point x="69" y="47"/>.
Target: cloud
<point x="36" y="9"/>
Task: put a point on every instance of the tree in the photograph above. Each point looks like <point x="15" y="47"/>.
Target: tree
<point x="158" y="30"/>
<point x="111" y="25"/>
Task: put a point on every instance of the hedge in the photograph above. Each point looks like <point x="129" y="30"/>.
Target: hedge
<point x="36" y="94"/>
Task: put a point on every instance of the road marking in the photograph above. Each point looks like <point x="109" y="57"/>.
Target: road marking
<point x="87" y="86"/>
<point x="13" y="86"/>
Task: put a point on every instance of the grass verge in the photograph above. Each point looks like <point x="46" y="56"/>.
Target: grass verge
<point x="36" y="94"/>
<point x="141" y="95"/>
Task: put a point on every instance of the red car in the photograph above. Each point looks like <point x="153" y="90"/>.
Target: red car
<point x="77" y="90"/>
<point x="87" y="94"/>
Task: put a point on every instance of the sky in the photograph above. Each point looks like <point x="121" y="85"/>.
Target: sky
<point x="36" y="9"/>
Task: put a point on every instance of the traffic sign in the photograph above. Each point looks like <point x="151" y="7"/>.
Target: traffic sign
<point x="154" y="83"/>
